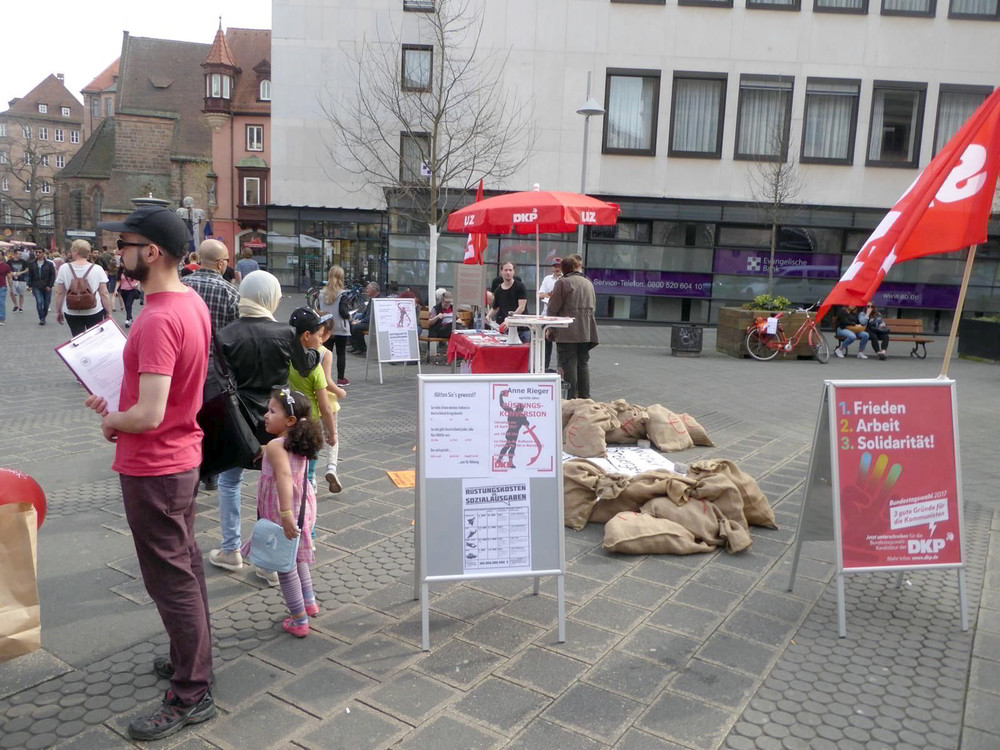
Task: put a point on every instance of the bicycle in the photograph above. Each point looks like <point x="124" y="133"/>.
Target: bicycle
<point x="763" y="344"/>
<point x="356" y="297"/>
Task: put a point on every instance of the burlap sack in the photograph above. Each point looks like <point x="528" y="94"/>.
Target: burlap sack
<point x="569" y="407"/>
<point x="661" y="483"/>
<point x="584" y="434"/>
<point x="723" y="494"/>
<point x="608" y="508"/>
<point x="633" y="423"/>
<point x="643" y="534"/>
<point x="666" y="429"/>
<point x="704" y="520"/>
<point x="583" y="483"/>
<point x="696" y="431"/>
<point x="756" y="508"/>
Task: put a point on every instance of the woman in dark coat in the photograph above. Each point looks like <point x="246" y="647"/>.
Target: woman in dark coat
<point x="574" y="297"/>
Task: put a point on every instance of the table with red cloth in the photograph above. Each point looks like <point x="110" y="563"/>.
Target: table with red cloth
<point x="486" y="353"/>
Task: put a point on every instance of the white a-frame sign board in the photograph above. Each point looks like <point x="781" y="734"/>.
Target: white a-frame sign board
<point x="393" y="331"/>
<point x="883" y="481"/>
<point x="489" y="492"/>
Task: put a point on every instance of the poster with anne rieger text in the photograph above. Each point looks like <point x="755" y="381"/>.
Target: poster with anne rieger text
<point x="495" y="429"/>
<point x="898" y="489"/>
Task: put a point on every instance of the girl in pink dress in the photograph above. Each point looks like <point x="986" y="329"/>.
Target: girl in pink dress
<point x="282" y="489"/>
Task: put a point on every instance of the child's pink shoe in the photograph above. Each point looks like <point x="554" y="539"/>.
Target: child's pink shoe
<point x="299" y="631"/>
<point x="312" y="609"/>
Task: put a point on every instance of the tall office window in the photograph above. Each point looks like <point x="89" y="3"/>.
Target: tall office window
<point x="974" y="9"/>
<point x="840" y="6"/>
<point x="830" y="119"/>
<point x="631" y="101"/>
<point x="414" y="153"/>
<point x="696" y="114"/>
<point x="764" y="115"/>
<point x="895" y="123"/>
<point x="416" y="67"/>
<point x="956" y="105"/>
<point x="908" y="7"/>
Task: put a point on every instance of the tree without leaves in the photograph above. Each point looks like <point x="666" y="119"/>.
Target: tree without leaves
<point x="30" y="164"/>
<point x="773" y="186"/>
<point x="467" y="126"/>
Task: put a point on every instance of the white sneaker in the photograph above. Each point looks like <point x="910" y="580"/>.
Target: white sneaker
<point x="839" y="351"/>
<point x="269" y="576"/>
<point x="862" y="355"/>
<point x="228" y="560"/>
<point x="334" y="481"/>
<point x="883" y="355"/>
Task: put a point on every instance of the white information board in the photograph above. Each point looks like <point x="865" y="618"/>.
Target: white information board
<point x="489" y="481"/>
<point x="394" y="330"/>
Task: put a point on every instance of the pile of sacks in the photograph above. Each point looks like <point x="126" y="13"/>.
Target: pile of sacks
<point x="662" y="512"/>
<point x="589" y="426"/>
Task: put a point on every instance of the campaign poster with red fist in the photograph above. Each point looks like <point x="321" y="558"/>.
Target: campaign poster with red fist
<point x="897" y="487"/>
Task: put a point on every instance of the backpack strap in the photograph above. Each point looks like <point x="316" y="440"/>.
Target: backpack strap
<point x="91" y="268"/>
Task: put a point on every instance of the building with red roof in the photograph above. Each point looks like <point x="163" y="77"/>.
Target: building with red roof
<point x="237" y="106"/>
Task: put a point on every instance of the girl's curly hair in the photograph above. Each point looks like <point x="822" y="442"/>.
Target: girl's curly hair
<point x="306" y="436"/>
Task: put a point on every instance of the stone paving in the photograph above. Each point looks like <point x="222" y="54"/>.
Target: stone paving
<point x="706" y="651"/>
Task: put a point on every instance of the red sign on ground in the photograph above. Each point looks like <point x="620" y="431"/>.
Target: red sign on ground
<point x="898" y="489"/>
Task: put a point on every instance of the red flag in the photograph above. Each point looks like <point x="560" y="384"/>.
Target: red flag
<point x="476" y="245"/>
<point x="944" y="210"/>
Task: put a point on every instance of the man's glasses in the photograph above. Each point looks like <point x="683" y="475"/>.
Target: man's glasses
<point x="122" y="244"/>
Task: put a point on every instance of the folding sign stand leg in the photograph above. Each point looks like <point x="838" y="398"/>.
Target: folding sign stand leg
<point x="899" y="579"/>
<point x="561" y="603"/>
<point x="795" y="559"/>
<point x="425" y="617"/>
<point x="538" y="585"/>
<point x="841" y="607"/>
<point x="961" y="599"/>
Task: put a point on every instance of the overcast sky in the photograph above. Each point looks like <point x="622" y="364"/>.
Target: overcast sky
<point x="81" y="39"/>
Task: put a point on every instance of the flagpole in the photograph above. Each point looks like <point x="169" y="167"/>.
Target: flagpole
<point x="958" y="312"/>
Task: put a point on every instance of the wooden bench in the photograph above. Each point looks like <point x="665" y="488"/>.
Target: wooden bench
<point x="909" y="331"/>
<point x="913" y="333"/>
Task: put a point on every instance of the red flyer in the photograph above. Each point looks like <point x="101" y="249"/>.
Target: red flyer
<point x="897" y="475"/>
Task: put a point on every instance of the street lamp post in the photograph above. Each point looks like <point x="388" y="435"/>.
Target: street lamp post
<point x="589" y="109"/>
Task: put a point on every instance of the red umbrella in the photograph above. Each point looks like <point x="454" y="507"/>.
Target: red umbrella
<point x="533" y="211"/>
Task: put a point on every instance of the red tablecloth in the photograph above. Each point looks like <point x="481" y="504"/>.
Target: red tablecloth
<point x="488" y="354"/>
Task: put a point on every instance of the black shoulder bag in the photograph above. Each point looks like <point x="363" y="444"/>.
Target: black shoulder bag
<point x="229" y="440"/>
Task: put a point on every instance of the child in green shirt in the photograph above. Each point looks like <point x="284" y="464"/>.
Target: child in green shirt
<point x="309" y="327"/>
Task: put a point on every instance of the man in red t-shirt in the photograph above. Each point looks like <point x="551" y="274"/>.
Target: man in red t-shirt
<point x="158" y="456"/>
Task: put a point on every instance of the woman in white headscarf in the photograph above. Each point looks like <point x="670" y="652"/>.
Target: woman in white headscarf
<point x="258" y="350"/>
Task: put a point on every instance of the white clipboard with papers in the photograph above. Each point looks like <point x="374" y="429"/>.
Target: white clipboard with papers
<point x="95" y="358"/>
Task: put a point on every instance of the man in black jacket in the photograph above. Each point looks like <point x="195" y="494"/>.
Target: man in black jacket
<point x="258" y="350"/>
<point x="41" y="279"/>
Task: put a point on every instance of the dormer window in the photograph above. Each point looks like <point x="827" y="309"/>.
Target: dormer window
<point x="265" y="90"/>
<point x="218" y="86"/>
<point x="43" y="109"/>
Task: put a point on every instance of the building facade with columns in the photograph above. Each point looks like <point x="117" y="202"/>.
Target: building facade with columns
<point x="700" y="96"/>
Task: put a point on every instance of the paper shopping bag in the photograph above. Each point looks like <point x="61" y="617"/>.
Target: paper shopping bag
<point x="20" y="626"/>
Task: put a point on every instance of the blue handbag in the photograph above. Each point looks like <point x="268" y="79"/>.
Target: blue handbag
<point x="270" y="549"/>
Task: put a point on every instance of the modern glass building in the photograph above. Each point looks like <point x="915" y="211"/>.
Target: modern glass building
<point x="700" y="96"/>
